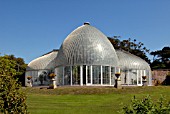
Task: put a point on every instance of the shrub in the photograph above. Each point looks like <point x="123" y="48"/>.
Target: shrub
<point x="29" y="77"/>
<point x="147" y="106"/>
<point x="157" y="82"/>
<point x="12" y="98"/>
<point x="52" y="75"/>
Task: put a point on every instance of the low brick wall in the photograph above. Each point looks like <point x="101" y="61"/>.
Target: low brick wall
<point x="159" y="75"/>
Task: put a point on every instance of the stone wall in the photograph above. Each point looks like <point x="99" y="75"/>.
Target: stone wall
<point x="159" y="76"/>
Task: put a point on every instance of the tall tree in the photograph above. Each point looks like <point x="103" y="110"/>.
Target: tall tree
<point x="161" y="58"/>
<point x="136" y="48"/>
<point x="20" y="67"/>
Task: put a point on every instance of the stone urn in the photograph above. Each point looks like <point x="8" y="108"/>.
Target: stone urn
<point x="118" y="81"/>
<point x="53" y="81"/>
<point x="29" y="78"/>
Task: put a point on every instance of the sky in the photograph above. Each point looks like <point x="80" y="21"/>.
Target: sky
<point x="31" y="28"/>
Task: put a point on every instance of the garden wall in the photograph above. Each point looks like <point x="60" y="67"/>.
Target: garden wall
<point x="160" y="76"/>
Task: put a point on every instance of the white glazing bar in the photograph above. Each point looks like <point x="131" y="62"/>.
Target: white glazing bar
<point x="128" y="77"/>
<point x="144" y="72"/>
<point x="137" y="75"/>
<point x="110" y="74"/>
<point x="141" y="76"/>
<point x="81" y="75"/>
<point x="71" y="81"/>
<point x="63" y="75"/>
<point x="101" y="75"/>
<point x="91" y="74"/>
<point x="86" y="75"/>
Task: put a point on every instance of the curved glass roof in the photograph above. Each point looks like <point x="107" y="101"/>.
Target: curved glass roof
<point x="47" y="61"/>
<point x="130" y="61"/>
<point x="86" y="45"/>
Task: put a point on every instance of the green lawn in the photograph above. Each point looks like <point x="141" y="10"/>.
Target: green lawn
<point x="88" y="100"/>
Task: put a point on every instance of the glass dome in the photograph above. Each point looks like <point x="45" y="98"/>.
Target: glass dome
<point x="86" y="45"/>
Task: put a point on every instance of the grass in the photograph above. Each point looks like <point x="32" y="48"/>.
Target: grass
<point x="88" y="100"/>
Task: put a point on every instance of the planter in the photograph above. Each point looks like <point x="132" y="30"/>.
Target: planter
<point x="29" y="81"/>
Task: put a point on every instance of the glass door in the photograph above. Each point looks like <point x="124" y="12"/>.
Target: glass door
<point x="88" y="75"/>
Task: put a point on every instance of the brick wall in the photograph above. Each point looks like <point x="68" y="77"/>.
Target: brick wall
<point x="159" y="75"/>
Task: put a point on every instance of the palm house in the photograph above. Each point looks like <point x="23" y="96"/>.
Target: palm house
<point x="87" y="58"/>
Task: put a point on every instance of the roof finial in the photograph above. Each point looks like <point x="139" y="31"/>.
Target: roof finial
<point x="86" y="23"/>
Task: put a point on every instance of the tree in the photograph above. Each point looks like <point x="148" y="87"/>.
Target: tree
<point x="161" y="58"/>
<point x="20" y="67"/>
<point x="12" y="98"/>
<point x="136" y="48"/>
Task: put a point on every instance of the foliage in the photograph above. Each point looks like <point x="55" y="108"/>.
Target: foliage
<point x="147" y="106"/>
<point x="29" y="77"/>
<point x="17" y="64"/>
<point x="161" y="58"/>
<point x="12" y="99"/>
<point x="52" y="75"/>
<point x="131" y="46"/>
<point x="7" y="67"/>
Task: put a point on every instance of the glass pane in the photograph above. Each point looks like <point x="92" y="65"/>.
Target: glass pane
<point x="43" y="77"/>
<point x="67" y="75"/>
<point x="124" y="76"/>
<point x="133" y="77"/>
<point x="96" y="74"/>
<point x="88" y="74"/>
<point x="147" y="75"/>
<point x="112" y="75"/>
<point x="59" y="76"/>
<point x="76" y="75"/>
<point x="106" y="78"/>
<point x="139" y="76"/>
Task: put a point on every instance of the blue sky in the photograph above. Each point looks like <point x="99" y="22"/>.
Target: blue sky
<point x="30" y="28"/>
